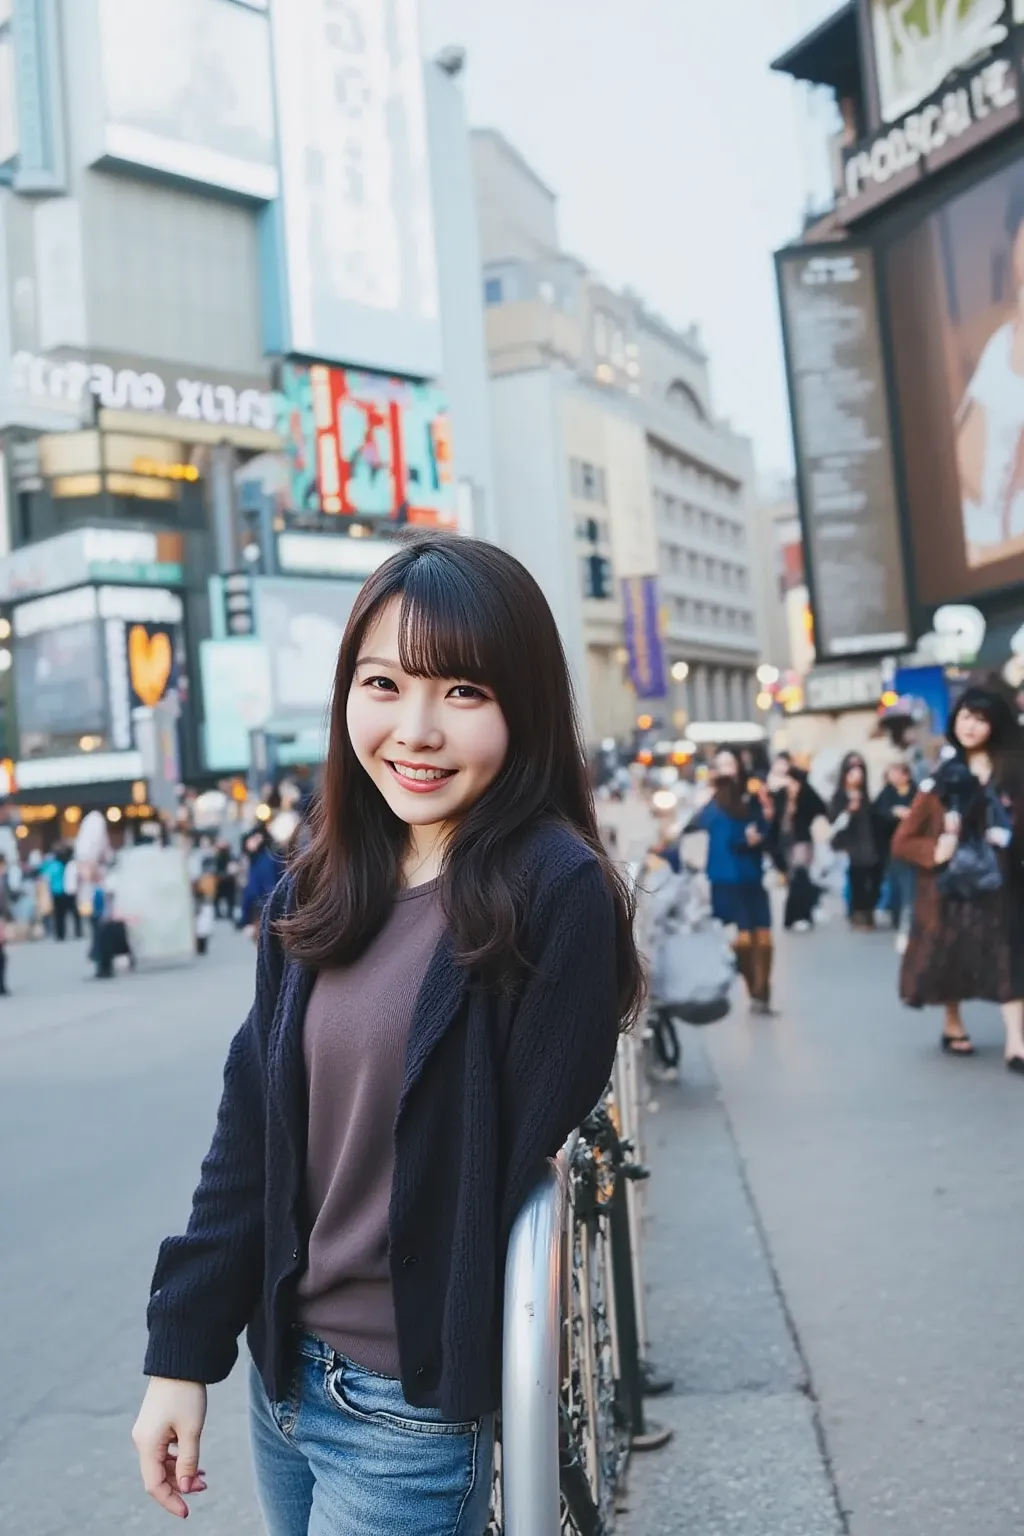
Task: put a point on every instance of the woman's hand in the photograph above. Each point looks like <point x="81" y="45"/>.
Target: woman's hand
<point x="999" y="837"/>
<point x="945" y="847"/>
<point x="166" y="1436"/>
<point x="753" y="836"/>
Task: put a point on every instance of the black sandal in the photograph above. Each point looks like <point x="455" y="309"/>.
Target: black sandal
<point x="961" y="1045"/>
<point x="1015" y="1064"/>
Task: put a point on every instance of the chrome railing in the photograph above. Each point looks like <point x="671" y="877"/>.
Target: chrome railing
<point x="530" y="1489"/>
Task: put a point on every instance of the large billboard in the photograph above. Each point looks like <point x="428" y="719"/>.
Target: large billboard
<point x="365" y="445"/>
<point x="955" y="285"/>
<point x="353" y="235"/>
<point x="918" y="44"/>
<point x="187" y="91"/>
<point x="845" y="471"/>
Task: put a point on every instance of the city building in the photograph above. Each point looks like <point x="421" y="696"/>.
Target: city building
<point x="233" y="364"/>
<point x="616" y="482"/>
<point x="901" y="311"/>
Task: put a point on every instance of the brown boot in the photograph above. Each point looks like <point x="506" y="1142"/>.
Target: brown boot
<point x="743" y="949"/>
<point x="763" y="955"/>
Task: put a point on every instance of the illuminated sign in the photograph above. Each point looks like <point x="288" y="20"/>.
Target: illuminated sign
<point x="970" y="110"/>
<point x="366" y="445"/>
<point x="918" y="44"/>
<point x="157" y="470"/>
<point x="76" y="381"/>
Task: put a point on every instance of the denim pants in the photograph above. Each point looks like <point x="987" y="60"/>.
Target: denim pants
<point x="345" y="1455"/>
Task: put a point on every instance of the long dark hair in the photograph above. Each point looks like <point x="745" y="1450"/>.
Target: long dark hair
<point x="991" y="699"/>
<point x="471" y="611"/>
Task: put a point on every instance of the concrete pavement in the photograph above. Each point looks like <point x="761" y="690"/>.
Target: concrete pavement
<point x="835" y="1263"/>
<point x="834" y="1259"/>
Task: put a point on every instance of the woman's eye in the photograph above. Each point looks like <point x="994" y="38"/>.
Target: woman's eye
<point x="467" y="691"/>
<point x="380" y="684"/>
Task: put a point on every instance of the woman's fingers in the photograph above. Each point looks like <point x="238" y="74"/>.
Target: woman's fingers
<point x="157" y="1466"/>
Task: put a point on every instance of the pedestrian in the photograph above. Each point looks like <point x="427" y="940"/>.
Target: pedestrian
<point x="856" y="832"/>
<point x="891" y="807"/>
<point x="70" y="901"/>
<point x="266" y="866"/>
<point x="797" y="808"/>
<point x="226" y="868"/>
<point x="6" y="920"/>
<point x="441" y="980"/>
<point x="967" y="939"/>
<point x="738" y="829"/>
<point x="51" y="871"/>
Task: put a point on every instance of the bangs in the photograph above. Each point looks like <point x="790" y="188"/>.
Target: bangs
<point x="448" y="626"/>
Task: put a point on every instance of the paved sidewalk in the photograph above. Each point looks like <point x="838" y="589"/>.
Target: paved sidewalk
<point x="835" y="1265"/>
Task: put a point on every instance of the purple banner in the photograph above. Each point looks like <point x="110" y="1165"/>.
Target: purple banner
<point x="642" y="629"/>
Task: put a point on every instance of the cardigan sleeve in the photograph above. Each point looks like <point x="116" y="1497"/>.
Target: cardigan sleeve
<point x="207" y="1283"/>
<point x="564" y="1032"/>
<point x="915" y="838"/>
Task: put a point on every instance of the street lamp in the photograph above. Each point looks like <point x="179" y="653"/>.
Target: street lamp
<point x="767" y="676"/>
<point x="680" y="671"/>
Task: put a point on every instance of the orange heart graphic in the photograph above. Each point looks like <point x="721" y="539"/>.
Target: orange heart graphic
<point x="149" y="662"/>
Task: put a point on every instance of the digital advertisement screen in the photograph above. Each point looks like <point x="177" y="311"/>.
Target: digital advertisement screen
<point x="301" y="624"/>
<point x="846" y="481"/>
<point x="955" y="285"/>
<point x="188" y="91"/>
<point x="366" y="445"/>
<point x="356" y="260"/>
<point x="59" y="683"/>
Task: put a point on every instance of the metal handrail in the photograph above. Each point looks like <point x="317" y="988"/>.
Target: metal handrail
<point x="532" y="1354"/>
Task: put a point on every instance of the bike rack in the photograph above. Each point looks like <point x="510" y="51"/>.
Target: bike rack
<point x="532" y="1352"/>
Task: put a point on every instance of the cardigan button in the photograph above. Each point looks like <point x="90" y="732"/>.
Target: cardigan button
<point x="295" y="1253"/>
<point x="410" y="1260"/>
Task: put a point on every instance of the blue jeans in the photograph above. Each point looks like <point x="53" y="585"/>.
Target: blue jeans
<point x="345" y="1455"/>
<point x="903" y="892"/>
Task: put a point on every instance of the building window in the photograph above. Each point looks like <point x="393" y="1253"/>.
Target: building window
<point x="546" y="291"/>
<point x="600" y="334"/>
<point x="494" y="292"/>
<point x="700" y="613"/>
<point x="588" y="481"/>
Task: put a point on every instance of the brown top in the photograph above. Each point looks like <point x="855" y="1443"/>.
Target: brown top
<point x="354" y="1041"/>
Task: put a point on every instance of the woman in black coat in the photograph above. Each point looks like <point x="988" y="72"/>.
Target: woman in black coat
<point x="797" y="808"/>
<point x="857" y="831"/>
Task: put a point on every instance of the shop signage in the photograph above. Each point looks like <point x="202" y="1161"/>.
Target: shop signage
<point x="970" y="109"/>
<point x="829" y="691"/>
<point x="916" y="45"/>
<point x="75" y="382"/>
<point x="331" y="554"/>
<point x="85" y="555"/>
<point x="89" y="768"/>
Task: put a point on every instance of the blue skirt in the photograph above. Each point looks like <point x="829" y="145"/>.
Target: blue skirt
<point x="746" y="906"/>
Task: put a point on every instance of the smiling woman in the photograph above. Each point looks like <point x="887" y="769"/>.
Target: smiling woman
<point x="441" y="983"/>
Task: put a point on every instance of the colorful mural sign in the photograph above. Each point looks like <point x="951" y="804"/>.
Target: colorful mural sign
<point x="366" y="445"/>
<point x="642" y="630"/>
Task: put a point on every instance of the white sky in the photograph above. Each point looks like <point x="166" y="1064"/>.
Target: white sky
<point x="675" y="154"/>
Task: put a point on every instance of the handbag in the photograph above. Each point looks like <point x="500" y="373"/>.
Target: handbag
<point x="972" y="871"/>
<point x="693" y="974"/>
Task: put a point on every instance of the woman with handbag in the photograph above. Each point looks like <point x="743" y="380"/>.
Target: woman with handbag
<point x="797" y="808"/>
<point x="739" y="828"/>
<point x="965" y="942"/>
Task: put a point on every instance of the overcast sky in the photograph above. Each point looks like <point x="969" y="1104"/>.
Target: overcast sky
<point x="675" y="154"/>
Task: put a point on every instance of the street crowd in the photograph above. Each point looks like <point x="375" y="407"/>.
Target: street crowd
<point x="937" y="855"/>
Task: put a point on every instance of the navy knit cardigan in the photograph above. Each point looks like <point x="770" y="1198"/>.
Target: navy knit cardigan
<point x="492" y="1089"/>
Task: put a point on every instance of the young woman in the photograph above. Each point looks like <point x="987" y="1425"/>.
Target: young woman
<point x="738" y="830"/>
<point x="856" y="832"/>
<point x="797" y="808"/>
<point x="891" y="807"/>
<point x="441" y="982"/>
<point x="961" y="949"/>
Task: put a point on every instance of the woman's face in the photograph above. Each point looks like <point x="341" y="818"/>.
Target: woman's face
<point x="854" y="776"/>
<point x="432" y="746"/>
<point x="727" y="766"/>
<point x="971" y="731"/>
